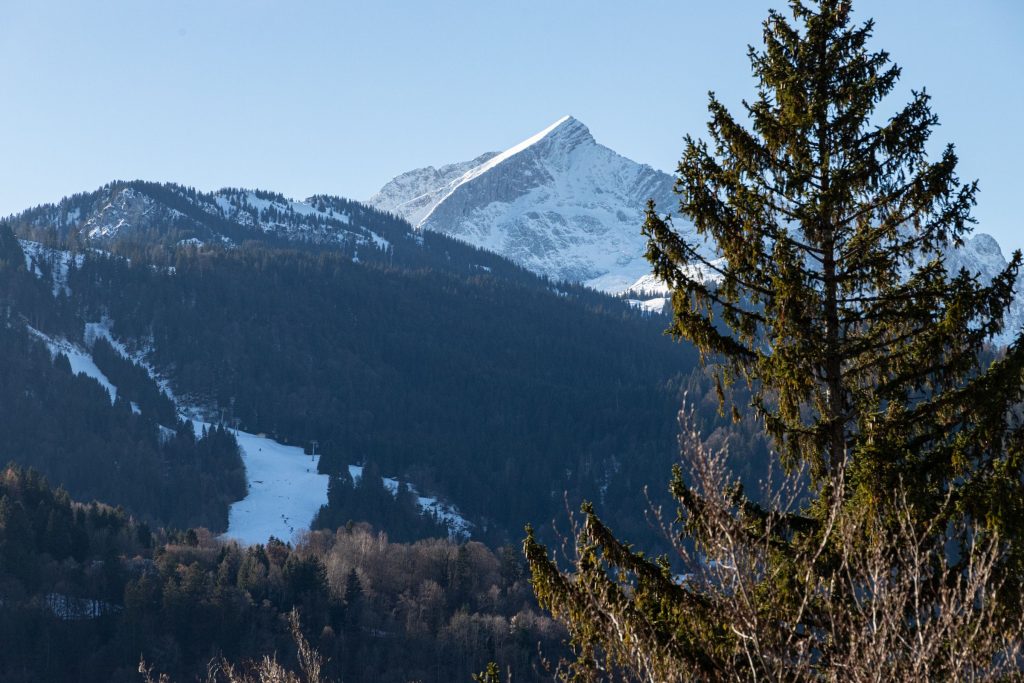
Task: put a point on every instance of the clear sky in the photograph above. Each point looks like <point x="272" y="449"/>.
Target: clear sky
<point x="337" y="97"/>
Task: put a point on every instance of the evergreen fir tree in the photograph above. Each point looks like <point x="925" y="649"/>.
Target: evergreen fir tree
<point x="863" y="349"/>
<point x="830" y="300"/>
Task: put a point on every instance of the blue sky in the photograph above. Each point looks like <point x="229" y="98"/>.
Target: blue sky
<point x="338" y="97"/>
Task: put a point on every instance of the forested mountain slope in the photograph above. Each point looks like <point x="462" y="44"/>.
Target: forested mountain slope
<point x="434" y="362"/>
<point x="85" y="591"/>
<point x="127" y="447"/>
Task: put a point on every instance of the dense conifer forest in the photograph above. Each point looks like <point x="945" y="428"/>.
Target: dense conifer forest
<point x="435" y="363"/>
<point x="136" y="452"/>
<point x="86" y="590"/>
<point x="800" y="457"/>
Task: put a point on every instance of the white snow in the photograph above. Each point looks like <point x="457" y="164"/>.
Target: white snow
<point x="69" y="608"/>
<point x="58" y="262"/>
<point x="285" y="490"/>
<point x="458" y="526"/>
<point x="246" y="208"/>
<point x="558" y="203"/>
<point x="651" y="293"/>
<point x="80" y="359"/>
<point x="102" y="329"/>
<point x="509" y="153"/>
<point x="650" y="305"/>
<point x="31" y="264"/>
<point x="981" y="254"/>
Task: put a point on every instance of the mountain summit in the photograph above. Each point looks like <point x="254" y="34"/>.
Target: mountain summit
<point x="558" y="203"/>
<point x="565" y="206"/>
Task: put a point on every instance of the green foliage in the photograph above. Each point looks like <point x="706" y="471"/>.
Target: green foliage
<point x="835" y="305"/>
<point x="489" y="675"/>
<point x="866" y="361"/>
<point x="477" y="389"/>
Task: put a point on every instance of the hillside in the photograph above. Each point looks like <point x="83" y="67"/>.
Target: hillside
<point x="435" y="363"/>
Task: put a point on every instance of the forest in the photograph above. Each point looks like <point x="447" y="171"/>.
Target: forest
<point x="810" y="469"/>
<point x="87" y="591"/>
<point x="494" y="390"/>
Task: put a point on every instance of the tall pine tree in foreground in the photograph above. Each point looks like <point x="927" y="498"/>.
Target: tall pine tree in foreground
<point x="865" y="358"/>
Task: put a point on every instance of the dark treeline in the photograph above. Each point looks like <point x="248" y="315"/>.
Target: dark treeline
<point x="496" y="396"/>
<point x="133" y="382"/>
<point x="65" y="426"/>
<point x="456" y="370"/>
<point x="85" y="592"/>
<point x="366" y="498"/>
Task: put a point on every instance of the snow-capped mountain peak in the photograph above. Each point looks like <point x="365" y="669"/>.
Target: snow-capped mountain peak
<point x="566" y="131"/>
<point x="558" y="203"/>
<point x="981" y="255"/>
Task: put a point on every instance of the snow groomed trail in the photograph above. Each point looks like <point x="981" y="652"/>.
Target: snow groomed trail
<point x="285" y="490"/>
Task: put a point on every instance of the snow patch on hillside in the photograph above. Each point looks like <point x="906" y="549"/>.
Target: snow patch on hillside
<point x="458" y="526"/>
<point x="303" y="221"/>
<point x="80" y="359"/>
<point x="95" y="330"/>
<point x="285" y="490"/>
<point x="652" y="294"/>
<point x="40" y="260"/>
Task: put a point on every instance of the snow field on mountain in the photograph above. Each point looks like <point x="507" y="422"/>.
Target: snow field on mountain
<point x="80" y="359"/>
<point x="285" y="490"/>
<point x="558" y="203"/>
<point x="59" y="261"/>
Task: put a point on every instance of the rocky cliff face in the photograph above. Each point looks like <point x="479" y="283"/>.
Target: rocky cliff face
<point x="982" y="255"/>
<point x="558" y="203"/>
<point x="564" y="206"/>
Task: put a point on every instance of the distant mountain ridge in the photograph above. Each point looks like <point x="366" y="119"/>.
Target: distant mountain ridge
<point x="166" y="212"/>
<point x="564" y="206"/>
<point x="558" y="203"/>
<point x="142" y="215"/>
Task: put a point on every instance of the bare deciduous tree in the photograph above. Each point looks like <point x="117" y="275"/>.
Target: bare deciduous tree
<point x="266" y="670"/>
<point x="872" y="599"/>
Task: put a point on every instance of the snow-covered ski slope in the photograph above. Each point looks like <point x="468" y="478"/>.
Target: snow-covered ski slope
<point x="285" y="490"/>
<point x="79" y="358"/>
